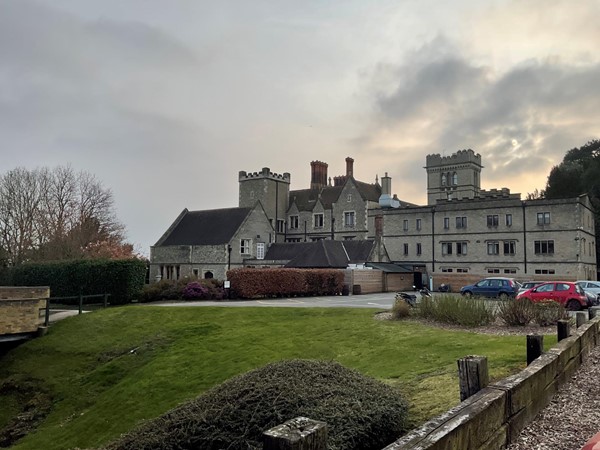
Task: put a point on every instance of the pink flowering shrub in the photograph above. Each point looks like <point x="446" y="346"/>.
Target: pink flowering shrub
<point x="195" y="291"/>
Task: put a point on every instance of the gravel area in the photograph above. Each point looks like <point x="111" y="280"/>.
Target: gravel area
<point x="572" y="417"/>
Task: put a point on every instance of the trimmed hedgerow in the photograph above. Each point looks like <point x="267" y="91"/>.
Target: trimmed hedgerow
<point x="252" y="283"/>
<point x="361" y="413"/>
<point x="122" y="279"/>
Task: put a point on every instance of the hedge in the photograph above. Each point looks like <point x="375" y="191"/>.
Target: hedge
<point x="252" y="283"/>
<point x="122" y="279"/>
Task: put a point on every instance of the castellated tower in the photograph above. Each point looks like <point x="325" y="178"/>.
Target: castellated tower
<point x="453" y="177"/>
<point x="271" y="189"/>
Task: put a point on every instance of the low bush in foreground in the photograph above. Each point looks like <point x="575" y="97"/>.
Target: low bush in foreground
<point x="523" y="312"/>
<point x="470" y="312"/>
<point x="361" y="413"/>
<point x="185" y="288"/>
<point x="400" y="310"/>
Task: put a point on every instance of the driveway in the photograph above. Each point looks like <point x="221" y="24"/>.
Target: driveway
<point x="381" y="300"/>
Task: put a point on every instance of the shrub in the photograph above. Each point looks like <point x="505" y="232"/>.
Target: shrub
<point x="400" y="310"/>
<point x="516" y="312"/>
<point x="361" y="413"/>
<point x="470" y="312"/>
<point x="195" y="291"/>
<point x="549" y="312"/>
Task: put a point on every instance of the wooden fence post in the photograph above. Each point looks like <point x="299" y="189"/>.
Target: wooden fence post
<point x="80" y="303"/>
<point x="563" y="329"/>
<point x="580" y="318"/>
<point x="47" y="314"/>
<point x="300" y="433"/>
<point x="535" y="347"/>
<point x="472" y="375"/>
<point x="105" y="300"/>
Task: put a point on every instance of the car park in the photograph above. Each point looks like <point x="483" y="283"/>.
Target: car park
<point x="567" y="293"/>
<point x="494" y="287"/>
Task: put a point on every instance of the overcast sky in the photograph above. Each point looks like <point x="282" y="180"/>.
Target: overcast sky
<point x="166" y="101"/>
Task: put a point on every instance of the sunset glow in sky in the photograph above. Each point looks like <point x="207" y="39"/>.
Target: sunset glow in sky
<point x="165" y="102"/>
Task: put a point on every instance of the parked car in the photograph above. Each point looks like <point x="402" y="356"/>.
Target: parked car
<point x="528" y="285"/>
<point x="494" y="287"/>
<point x="591" y="289"/>
<point x="567" y="293"/>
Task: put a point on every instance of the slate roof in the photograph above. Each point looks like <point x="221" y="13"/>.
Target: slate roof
<point x="210" y="227"/>
<point x="391" y="267"/>
<point x="306" y="199"/>
<point x="321" y="254"/>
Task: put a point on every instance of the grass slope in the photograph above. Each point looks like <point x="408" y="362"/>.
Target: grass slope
<point x="110" y="369"/>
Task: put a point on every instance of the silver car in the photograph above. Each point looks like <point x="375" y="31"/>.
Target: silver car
<point x="591" y="289"/>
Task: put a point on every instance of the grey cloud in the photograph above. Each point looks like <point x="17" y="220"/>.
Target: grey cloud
<point x="545" y="107"/>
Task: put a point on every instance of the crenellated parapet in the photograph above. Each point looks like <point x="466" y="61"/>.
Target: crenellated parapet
<point x="265" y="174"/>
<point x="459" y="158"/>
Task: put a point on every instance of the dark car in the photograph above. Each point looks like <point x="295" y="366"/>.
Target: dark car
<point x="496" y="287"/>
<point x="567" y="293"/>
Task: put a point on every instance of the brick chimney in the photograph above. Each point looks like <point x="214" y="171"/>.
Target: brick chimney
<point x="349" y="167"/>
<point x="318" y="175"/>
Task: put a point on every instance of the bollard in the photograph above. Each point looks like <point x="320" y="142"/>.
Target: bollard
<point x="472" y="375"/>
<point x="580" y="318"/>
<point x="563" y="329"/>
<point x="535" y="347"/>
<point x="300" y="433"/>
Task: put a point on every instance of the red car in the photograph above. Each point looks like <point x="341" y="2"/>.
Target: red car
<point x="568" y="294"/>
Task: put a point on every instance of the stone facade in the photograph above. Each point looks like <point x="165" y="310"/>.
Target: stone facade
<point x="494" y="235"/>
<point x="456" y="176"/>
<point x="213" y="261"/>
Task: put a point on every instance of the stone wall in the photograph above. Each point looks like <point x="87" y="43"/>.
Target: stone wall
<point x="492" y="418"/>
<point x="20" y="309"/>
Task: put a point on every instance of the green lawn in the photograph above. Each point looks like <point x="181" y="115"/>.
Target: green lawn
<point x="109" y="369"/>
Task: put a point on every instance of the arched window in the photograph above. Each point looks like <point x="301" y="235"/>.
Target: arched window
<point x="443" y="179"/>
<point x="208" y="275"/>
<point x="454" y="179"/>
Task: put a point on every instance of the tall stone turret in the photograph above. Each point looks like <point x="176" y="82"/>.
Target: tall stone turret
<point x="453" y="177"/>
<point x="272" y="190"/>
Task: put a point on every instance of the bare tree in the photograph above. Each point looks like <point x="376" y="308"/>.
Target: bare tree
<point x="57" y="214"/>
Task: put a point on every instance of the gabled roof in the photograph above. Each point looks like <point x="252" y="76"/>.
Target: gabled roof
<point x="210" y="227"/>
<point x="306" y="199"/>
<point x="370" y="192"/>
<point x="321" y="254"/>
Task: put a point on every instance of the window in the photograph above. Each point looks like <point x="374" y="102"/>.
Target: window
<point x="349" y="197"/>
<point x="492" y="221"/>
<point x="461" y="248"/>
<point x="293" y="222"/>
<point x="196" y="273"/>
<point x="170" y="272"/>
<point x="293" y="240"/>
<point x="419" y="250"/>
<point x="510" y="247"/>
<point x="280" y="225"/>
<point x="512" y="271"/>
<point x="405" y="225"/>
<point x="493" y="271"/>
<point x="446" y="269"/>
<point x="509" y="220"/>
<point x="543" y="247"/>
<point x="349" y="219"/>
<point x="260" y="250"/>
<point x="245" y="246"/>
<point x="318" y="220"/>
<point x="418" y="224"/>
<point x="461" y="222"/>
<point x="446" y="223"/>
<point x="544" y="271"/>
<point x="406" y="249"/>
<point x="443" y="179"/>
<point x="462" y="270"/>
<point x="454" y="178"/>
<point x="543" y="218"/>
<point x="446" y="248"/>
<point x="349" y="238"/>
<point x="493" y="247"/>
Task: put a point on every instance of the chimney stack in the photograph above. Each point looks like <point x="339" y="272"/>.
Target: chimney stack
<point x="349" y="167"/>
<point x="318" y="178"/>
<point x="386" y="185"/>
